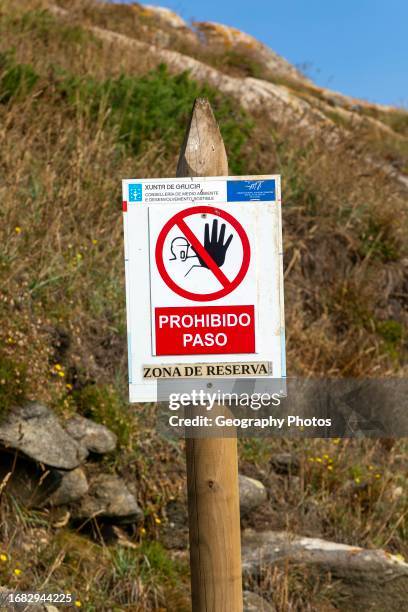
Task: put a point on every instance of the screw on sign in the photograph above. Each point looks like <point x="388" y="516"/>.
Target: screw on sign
<point x="193" y="241"/>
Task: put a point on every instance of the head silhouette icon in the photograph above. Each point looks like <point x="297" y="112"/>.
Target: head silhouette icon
<point x="179" y="248"/>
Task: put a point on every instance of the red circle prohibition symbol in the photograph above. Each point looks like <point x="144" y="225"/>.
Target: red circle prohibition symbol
<point x="228" y="285"/>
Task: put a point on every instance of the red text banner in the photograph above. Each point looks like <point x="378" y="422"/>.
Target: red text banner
<point x="205" y="330"/>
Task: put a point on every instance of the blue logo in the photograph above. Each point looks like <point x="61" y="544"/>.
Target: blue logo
<point x="246" y="191"/>
<point x="135" y="192"/>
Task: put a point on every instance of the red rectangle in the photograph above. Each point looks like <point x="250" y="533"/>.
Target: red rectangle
<point x="205" y="330"/>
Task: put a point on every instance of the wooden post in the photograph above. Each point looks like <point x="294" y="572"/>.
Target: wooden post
<point x="212" y="463"/>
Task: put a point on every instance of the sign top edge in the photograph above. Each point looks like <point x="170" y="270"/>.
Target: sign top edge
<point x="245" y="177"/>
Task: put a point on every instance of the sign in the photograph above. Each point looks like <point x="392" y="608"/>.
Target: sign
<point x="184" y="243"/>
<point x="204" y="330"/>
<point x="208" y="370"/>
<point x="204" y="281"/>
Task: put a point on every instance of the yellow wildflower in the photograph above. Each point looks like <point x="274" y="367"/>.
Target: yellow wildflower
<point x="17" y="571"/>
<point x="378" y="476"/>
<point x="3" y="557"/>
<point x="357" y="480"/>
<point x="17" y="229"/>
<point x="94" y="241"/>
<point x="157" y="520"/>
<point x="78" y="604"/>
<point x="330" y="468"/>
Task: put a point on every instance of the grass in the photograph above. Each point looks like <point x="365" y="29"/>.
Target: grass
<point x="78" y="115"/>
<point x="397" y="119"/>
<point x="352" y="491"/>
<point x="12" y="383"/>
<point x="142" y="578"/>
<point x="16" y="79"/>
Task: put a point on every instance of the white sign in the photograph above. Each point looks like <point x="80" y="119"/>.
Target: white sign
<point x="204" y="278"/>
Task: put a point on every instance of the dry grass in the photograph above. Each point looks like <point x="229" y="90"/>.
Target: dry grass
<point x="62" y="304"/>
<point x="343" y="490"/>
<point x="141" y="578"/>
<point x="350" y="491"/>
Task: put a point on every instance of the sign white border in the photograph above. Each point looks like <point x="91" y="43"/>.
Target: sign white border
<point x="270" y="341"/>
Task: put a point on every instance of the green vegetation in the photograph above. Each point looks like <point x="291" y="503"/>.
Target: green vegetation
<point x="396" y="119"/>
<point x="43" y="25"/>
<point x="157" y="106"/>
<point x="15" y="79"/>
<point x="393" y="335"/>
<point x="378" y="240"/>
<point x="337" y="118"/>
<point x="141" y="109"/>
<point x="12" y="384"/>
<point x="103" y="404"/>
<point x="236" y="62"/>
<point x="151" y="560"/>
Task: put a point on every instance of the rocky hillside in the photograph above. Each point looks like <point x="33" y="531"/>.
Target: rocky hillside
<point x="92" y="497"/>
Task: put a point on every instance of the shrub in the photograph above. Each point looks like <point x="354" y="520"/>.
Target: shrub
<point x="12" y="384"/>
<point x="151" y="559"/>
<point x="392" y="333"/>
<point x="103" y="404"/>
<point x="15" y="79"/>
<point x="378" y="238"/>
<point x="156" y="107"/>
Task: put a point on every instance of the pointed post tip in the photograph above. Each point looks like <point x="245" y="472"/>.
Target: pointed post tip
<point x="201" y="103"/>
<point x="202" y="152"/>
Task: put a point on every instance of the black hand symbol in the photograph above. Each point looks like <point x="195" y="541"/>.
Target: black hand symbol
<point x="215" y="246"/>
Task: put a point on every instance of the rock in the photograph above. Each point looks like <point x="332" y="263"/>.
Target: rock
<point x="34" y="430"/>
<point x="108" y="497"/>
<point x="59" y="517"/>
<point x="254" y="603"/>
<point x="168" y="16"/>
<point x="73" y="486"/>
<point x="252" y="494"/>
<point x="217" y="34"/>
<point x="285" y="463"/>
<point x="372" y="579"/>
<point x="93" y="436"/>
